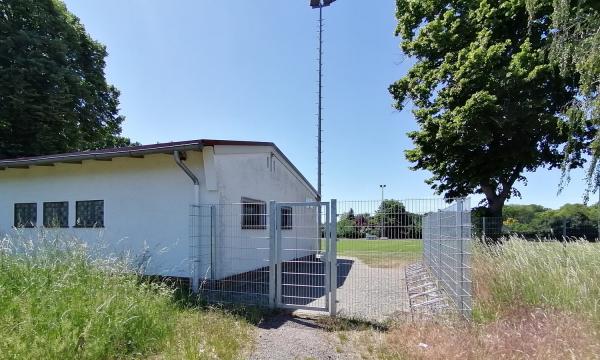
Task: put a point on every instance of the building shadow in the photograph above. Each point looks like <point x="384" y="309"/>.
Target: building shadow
<point x="302" y="283"/>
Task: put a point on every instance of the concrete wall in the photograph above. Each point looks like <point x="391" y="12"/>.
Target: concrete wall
<point x="146" y="205"/>
<point x="256" y="173"/>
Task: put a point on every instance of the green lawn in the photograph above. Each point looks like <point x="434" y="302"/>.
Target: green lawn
<point x="382" y="253"/>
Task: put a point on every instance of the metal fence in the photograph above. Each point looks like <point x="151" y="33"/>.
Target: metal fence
<point x="447" y="254"/>
<point x="259" y="253"/>
<point x="560" y="228"/>
<point x="380" y="245"/>
<point x="230" y="252"/>
<point x="350" y="258"/>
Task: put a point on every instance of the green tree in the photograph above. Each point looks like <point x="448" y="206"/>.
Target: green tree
<point x="576" y="48"/>
<point x="523" y="214"/>
<point x="53" y="94"/>
<point x="395" y="222"/>
<point x="346" y="226"/>
<point x="486" y="95"/>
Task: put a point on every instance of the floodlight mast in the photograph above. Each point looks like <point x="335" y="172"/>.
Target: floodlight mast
<point x="320" y="5"/>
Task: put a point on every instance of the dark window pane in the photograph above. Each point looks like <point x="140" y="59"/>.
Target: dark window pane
<point x="56" y="214"/>
<point x="25" y="215"/>
<point x="286" y="217"/>
<point x="254" y="214"/>
<point x="89" y="213"/>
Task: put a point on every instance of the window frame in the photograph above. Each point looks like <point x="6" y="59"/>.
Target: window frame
<point x="44" y="216"/>
<point x="257" y="218"/>
<point x="25" y="226"/>
<point x="289" y="224"/>
<point x="85" y="225"/>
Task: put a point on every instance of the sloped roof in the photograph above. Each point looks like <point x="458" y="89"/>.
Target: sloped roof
<point x="138" y="151"/>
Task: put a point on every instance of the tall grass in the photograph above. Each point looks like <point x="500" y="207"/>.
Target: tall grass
<point x="562" y="276"/>
<point x="57" y="302"/>
<point x="533" y="300"/>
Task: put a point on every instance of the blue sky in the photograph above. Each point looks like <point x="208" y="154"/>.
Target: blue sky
<point x="246" y="70"/>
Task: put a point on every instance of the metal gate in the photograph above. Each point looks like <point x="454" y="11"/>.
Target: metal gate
<point x="304" y="248"/>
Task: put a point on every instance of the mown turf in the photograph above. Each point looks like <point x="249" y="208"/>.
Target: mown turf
<point x="382" y="253"/>
<point x="57" y="303"/>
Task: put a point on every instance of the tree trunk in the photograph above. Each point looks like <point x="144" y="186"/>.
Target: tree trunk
<point x="492" y="217"/>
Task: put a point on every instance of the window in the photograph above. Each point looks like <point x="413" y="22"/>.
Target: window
<point x="56" y="214"/>
<point x="25" y="215"/>
<point x="254" y="214"/>
<point x="89" y="213"/>
<point x="286" y="217"/>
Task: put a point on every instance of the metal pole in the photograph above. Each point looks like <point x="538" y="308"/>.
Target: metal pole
<point x="273" y="261"/>
<point x="333" y="258"/>
<point x="484" y="226"/>
<point x="320" y="96"/>
<point x="382" y="211"/>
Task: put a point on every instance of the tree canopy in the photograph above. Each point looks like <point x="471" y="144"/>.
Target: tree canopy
<point x="486" y="95"/>
<point x="576" y="48"/>
<point x="576" y="220"/>
<point x="53" y="93"/>
<point x="391" y="220"/>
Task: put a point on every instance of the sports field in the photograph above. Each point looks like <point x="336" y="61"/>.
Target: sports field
<point x="382" y="253"/>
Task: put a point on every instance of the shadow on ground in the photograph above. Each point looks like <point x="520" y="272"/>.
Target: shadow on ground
<point x="302" y="281"/>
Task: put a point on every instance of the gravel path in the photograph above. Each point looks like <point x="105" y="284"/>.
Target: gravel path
<point x="366" y="292"/>
<point x="371" y="293"/>
<point x="288" y="337"/>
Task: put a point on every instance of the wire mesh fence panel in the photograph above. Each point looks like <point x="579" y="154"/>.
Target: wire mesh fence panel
<point x="284" y="254"/>
<point x="447" y="241"/>
<point x="303" y="271"/>
<point x="376" y="242"/>
<point x="551" y="228"/>
<point x="232" y="255"/>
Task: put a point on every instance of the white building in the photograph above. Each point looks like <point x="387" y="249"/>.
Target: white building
<point x="137" y="199"/>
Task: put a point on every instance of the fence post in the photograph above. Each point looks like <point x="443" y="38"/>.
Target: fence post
<point x="458" y="271"/>
<point x="438" y="267"/>
<point x="333" y="257"/>
<point x="272" y="252"/>
<point x="213" y="241"/>
<point x="483" y="228"/>
<point x="195" y="240"/>
<point x="465" y="289"/>
<point x="564" y="228"/>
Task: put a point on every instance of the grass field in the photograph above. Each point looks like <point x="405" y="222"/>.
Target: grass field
<point x="382" y="253"/>
<point x="57" y="303"/>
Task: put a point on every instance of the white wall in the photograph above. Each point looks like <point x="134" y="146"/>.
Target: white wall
<point x="258" y="173"/>
<point x="147" y="212"/>
<point x="146" y="204"/>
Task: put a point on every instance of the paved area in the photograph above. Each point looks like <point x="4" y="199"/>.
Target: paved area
<point x="287" y="337"/>
<point x="371" y="293"/>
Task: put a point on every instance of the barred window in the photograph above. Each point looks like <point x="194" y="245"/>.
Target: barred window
<point x="254" y="214"/>
<point x="56" y="214"/>
<point x="286" y="217"/>
<point x="25" y="215"/>
<point x="89" y="213"/>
